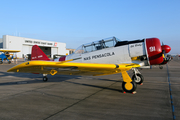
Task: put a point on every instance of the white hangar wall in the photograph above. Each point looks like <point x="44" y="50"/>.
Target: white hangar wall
<point x="25" y="45"/>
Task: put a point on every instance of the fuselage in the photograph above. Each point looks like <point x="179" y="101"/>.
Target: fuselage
<point x="145" y="52"/>
<point x="112" y="55"/>
<point x="108" y="51"/>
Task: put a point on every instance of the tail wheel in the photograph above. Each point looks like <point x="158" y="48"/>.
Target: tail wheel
<point x="160" y="67"/>
<point x="138" y="78"/>
<point x="129" y="86"/>
<point x="45" y="78"/>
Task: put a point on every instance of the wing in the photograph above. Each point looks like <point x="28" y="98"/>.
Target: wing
<point x="11" y="51"/>
<point x="71" y="68"/>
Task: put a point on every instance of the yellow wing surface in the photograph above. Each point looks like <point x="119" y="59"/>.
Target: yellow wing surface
<point x="11" y="51"/>
<point x="71" y="68"/>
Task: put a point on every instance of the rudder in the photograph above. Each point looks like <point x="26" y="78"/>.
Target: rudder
<point x="38" y="54"/>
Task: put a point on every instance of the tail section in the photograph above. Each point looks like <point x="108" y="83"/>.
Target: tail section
<point x="38" y="54"/>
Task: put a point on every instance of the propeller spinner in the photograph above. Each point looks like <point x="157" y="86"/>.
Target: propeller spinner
<point x="166" y="48"/>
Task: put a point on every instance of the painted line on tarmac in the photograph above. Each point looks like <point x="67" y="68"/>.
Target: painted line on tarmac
<point x="170" y="92"/>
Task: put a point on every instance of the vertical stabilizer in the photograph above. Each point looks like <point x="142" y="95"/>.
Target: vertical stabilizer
<point x="38" y="54"/>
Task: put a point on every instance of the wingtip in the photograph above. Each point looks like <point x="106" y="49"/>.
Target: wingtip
<point x="16" y="68"/>
<point x="10" y="70"/>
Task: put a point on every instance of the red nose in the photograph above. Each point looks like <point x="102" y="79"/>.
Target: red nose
<point x="166" y="48"/>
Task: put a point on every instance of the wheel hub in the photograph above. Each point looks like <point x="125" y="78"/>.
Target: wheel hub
<point x="137" y="79"/>
<point x="128" y="86"/>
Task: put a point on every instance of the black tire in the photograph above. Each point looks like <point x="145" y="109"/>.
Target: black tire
<point x="160" y="67"/>
<point x="9" y="62"/>
<point x="132" y="88"/>
<point x="139" y="79"/>
<point x="45" y="79"/>
<point x="1" y="62"/>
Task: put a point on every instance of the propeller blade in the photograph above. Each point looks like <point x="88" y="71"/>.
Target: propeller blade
<point x="162" y="43"/>
<point x="164" y="56"/>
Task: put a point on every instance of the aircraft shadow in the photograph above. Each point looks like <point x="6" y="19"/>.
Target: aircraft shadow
<point x="107" y="88"/>
<point x="37" y="78"/>
<point x="32" y="78"/>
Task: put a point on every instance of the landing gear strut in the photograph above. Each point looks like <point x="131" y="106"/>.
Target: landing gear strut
<point x="128" y="85"/>
<point x="52" y="72"/>
<point x="45" y="78"/>
<point x="137" y="77"/>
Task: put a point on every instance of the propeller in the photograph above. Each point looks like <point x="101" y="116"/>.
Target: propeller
<point x="165" y="49"/>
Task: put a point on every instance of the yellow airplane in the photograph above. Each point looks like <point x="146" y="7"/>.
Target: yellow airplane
<point x="5" y="54"/>
<point x="103" y="57"/>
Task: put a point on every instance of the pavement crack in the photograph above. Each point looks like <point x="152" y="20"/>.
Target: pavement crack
<point x="10" y="96"/>
<point x="78" y="101"/>
<point x="54" y="95"/>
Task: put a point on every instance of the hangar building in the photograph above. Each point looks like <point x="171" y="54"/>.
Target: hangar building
<point x="25" y="45"/>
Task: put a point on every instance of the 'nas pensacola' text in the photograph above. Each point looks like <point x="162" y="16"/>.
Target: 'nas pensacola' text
<point x="99" y="56"/>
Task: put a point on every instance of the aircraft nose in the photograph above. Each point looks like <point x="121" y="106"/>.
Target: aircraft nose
<point x="166" y="48"/>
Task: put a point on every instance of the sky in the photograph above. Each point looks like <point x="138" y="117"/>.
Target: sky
<point x="76" y="22"/>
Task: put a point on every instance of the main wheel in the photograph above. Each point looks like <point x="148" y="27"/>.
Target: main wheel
<point x="9" y="62"/>
<point x="1" y="62"/>
<point x="45" y="78"/>
<point x="129" y="87"/>
<point x="138" y="78"/>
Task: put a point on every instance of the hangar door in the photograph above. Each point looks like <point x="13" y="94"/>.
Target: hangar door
<point x="46" y="50"/>
<point x="54" y="51"/>
<point x="26" y="50"/>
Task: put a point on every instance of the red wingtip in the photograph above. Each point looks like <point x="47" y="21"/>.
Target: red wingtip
<point x="38" y="54"/>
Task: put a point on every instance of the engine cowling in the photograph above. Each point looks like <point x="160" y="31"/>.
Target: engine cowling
<point x="154" y="51"/>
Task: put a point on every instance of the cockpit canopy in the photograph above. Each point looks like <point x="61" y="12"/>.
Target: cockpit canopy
<point x="97" y="45"/>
